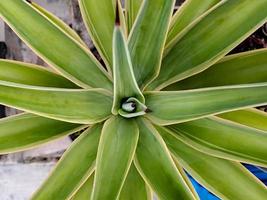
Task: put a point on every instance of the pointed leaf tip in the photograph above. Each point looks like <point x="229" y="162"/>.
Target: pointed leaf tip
<point x="126" y="89"/>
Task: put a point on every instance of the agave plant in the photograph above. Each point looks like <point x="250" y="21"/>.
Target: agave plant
<point x="168" y="100"/>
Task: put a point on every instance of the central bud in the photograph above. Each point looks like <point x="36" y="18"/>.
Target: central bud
<point x="129" y="107"/>
<point x="132" y="107"/>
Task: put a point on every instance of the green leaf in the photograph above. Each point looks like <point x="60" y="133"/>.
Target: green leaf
<point x="99" y="18"/>
<point x="225" y="139"/>
<point x="125" y="85"/>
<point x="85" y="190"/>
<point x="154" y="163"/>
<point x="58" y="22"/>
<point x="189" y="14"/>
<point x="132" y="8"/>
<point x="226" y="179"/>
<point x="242" y="68"/>
<point x="25" y="131"/>
<point x="115" y="153"/>
<point x="186" y="179"/>
<point x="29" y="74"/>
<point x="51" y="43"/>
<point x="100" y="25"/>
<point x="73" y="169"/>
<point x="85" y="106"/>
<point x="122" y="18"/>
<point x="180" y="106"/>
<point x="147" y="39"/>
<point x="135" y="187"/>
<point x="211" y="39"/>
<point x="248" y="117"/>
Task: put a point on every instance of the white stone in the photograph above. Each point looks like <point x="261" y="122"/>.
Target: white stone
<point x="19" y="181"/>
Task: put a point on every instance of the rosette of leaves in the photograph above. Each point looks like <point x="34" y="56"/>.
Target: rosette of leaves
<point x="168" y="100"/>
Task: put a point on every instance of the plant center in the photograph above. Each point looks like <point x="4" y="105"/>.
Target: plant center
<point x="129" y="107"/>
<point x="132" y="107"/>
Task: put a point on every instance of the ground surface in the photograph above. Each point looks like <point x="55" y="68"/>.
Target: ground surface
<point x="19" y="181"/>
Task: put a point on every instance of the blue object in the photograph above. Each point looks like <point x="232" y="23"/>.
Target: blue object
<point x="204" y="194"/>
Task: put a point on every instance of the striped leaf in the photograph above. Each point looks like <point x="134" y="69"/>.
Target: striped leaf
<point x="74" y="168"/>
<point x="211" y="39"/>
<point x="226" y="179"/>
<point x="58" y="22"/>
<point x="84" y="106"/>
<point x="99" y="18"/>
<point x="186" y="179"/>
<point x="125" y="85"/>
<point x="147" y="39"/>
<point x="135" y="187"/>
<point x="154" y="163"/>
<point x="248" y="117"/>
<point x="115" y="153"/>
<point x="224" y="139"/>
<point x="73" y="60"/>
<point x="175" y="107"/>
<point x="85" y="190"/>
<point x="24" y="131"/>
<point x="29" y="74"/>
<point x="242" y="68"/>
<point x="189" y="14"/>
<point x="132" y="8"/>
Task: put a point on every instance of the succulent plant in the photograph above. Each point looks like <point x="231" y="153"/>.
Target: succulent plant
<point x="168" y="100"/>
